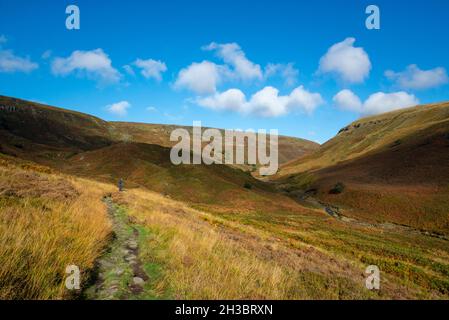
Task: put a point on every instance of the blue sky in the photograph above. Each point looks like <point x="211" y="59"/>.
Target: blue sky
<point x="304" y="68"/>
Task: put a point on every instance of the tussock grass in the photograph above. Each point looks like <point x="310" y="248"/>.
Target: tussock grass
<point x="279" y="255"/>
<point x="201" y="256"/>
<point x="47" y="222"/>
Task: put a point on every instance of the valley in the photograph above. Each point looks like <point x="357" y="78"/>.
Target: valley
<point x="219" y="232"/>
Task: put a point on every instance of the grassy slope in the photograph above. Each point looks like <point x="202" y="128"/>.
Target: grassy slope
<point x="289" y="148"/>
<point x="149" y="166"/>
<point x="394" y="167"/>
<point x="216" y="239"/>
<point x="284" y="253"/>
<point x="48" y="221"/>
<point x="83" y="145"/>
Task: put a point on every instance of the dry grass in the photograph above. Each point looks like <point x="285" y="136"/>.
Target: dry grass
<point x="47" y="222"/>
<point x="197" y="254"/>
<point x="394" y="167"/>
<point x="201" y="256"/>
<point x="372" y="134"/>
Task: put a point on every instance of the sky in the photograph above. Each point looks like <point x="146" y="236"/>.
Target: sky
<point x="306" y="68"/>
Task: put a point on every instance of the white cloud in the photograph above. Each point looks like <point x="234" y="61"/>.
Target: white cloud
<point x="383" y="102"/>
<point x="414" y="78"/>
<point x="94" y="64"/>
<point x="151" y="109"/>
<point x="350" y="63"/>
<point x="266" y="102"/>
<point x="347" y="100"/>
<point x="232" y="99"/>
<point x="233" y="55"/>
<point x="204" y="77"/>
<point x="129" y="70"/>
<point x="47" y="54"/>
<point x="9" y="62"/>
<point x="304" y="100"/>
<point x="119" y="108"/>
<point x="3" y="39"/>
<point x="376" y="103"/>
<point x="151" y="68"/>
<point x="201" y="78"/>
<point x="287" y="71"/>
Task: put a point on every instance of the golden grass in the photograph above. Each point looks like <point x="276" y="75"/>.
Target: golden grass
<point x="47" y="222"/>
<point x="50" y="220"/>
<point x="205" y="257"/>
<point x="371" y="134"/>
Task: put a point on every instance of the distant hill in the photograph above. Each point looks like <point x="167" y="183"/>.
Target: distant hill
<point x="41" y="132"/>
<point x="394" y="167"/>
<point x="84" y="145"/>
<point x="289" y="148"/>
<point x="61" y="133"/>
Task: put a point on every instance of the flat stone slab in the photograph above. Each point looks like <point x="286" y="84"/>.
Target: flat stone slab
<point x="138" y="281"/>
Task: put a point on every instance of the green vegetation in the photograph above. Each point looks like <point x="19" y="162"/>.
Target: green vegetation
<point x="338" y="188"/>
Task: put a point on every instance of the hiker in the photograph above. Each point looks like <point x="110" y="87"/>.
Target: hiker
<point x="120" y="185"/>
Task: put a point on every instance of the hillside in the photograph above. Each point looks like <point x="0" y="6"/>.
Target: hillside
<point x="184" y="232"/>
<point x="289" y="148"/>
<point x="46" y="133"/>
<point x="393" y="166"/>
<point x="84" y="145"/>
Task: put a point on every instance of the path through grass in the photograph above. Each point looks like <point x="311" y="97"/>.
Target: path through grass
<point x="120" y="272"/>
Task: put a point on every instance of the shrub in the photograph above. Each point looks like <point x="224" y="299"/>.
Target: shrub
<point x="338" y="188"/>
<point x="397" y="143"/>
<point x="247" y="185"/>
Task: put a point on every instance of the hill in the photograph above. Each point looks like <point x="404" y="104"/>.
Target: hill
<point x="187" y="232"/>
<point x="393" y="168"/>
<point x="289" y="148"/>
<point x="46" y="134"/>
<point x="84" y="145"/>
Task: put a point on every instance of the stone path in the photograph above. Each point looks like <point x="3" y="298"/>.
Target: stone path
<point x="119" y="273"/>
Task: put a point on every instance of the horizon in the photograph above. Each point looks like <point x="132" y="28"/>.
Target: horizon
<point x="162" y="67"/>
<point x="221" y="128"/>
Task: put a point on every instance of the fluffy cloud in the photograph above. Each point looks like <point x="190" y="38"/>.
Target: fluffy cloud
<point x="304" y="100"/>
<point x="376" y="103"/>
<point x="119" y="108"/>
<point x="233" y="55"/>
<point x="3" y="39"/>
<point x="9" y="62"/>
<point x="350" y="63"/>
<point x="151" y="68"/>
<point x="232" y="99"/>
<point x="286" y="71"/>
<point x="94" y="64"/>
<point x="201" y="78"/>
<point x="414" y="78"/>
<point x="266" y="102"/>
<point x="204" y="77"/>
<point x="347" y="100"/>
<point x="383" y="102"/>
